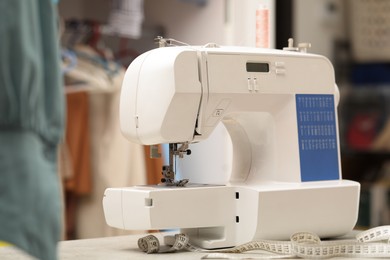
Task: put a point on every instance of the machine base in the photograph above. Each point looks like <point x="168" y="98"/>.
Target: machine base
<point x="225" y="216"/>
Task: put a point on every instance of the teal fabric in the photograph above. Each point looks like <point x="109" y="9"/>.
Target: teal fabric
<point x="29" y="194"/>
<point x="31" y="126"/>
<point x="29" y="74"/>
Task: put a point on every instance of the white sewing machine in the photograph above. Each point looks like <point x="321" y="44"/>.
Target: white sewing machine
<point x="279" y="108"/>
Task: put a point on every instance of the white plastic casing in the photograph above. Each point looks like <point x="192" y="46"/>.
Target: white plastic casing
<point x="171" y="93"/>
<point x="160" y="97"/>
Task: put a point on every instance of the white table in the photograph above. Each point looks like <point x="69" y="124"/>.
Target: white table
<point x="120" y="247"/>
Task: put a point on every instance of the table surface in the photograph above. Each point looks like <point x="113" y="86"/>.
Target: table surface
<point x="120" y="247"/>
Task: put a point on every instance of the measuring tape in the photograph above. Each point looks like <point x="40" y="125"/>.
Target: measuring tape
<point x="371" y="243"/>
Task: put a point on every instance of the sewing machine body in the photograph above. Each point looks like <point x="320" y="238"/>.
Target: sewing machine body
<point x="284" y="174"/>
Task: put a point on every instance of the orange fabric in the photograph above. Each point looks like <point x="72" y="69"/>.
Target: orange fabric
<point x="77" y="140"/>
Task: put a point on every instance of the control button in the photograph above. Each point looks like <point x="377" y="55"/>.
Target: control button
<point x="279" y="64"/>
<point x="218" y="112"/>
<point x="255" y="84"/>
<point x="250" y="84"/>
<point x="280" y="71"/>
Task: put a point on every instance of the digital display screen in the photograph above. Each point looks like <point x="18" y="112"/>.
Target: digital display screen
<point x="257" y="67"/>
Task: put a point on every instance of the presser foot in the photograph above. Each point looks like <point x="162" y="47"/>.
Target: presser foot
<point x="168" y="178"/>
<point x="169" y="182"/>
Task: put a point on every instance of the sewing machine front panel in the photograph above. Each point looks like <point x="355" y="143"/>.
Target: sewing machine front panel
<point x="269" y="72"/>
<point x="266" y="83"/>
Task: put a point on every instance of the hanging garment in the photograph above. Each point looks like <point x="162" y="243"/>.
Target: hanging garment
<point x="114" y="161"/>
<point x="126" y="18"/>
<point x="78" y="144"/>
<point x="75" y="153"/>
<point x="31" y="125"/>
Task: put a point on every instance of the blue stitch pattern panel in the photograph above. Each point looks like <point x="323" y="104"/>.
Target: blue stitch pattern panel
<point x="318" y="149"/>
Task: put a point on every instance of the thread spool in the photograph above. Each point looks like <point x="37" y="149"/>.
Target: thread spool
<point x="262" y="26"/>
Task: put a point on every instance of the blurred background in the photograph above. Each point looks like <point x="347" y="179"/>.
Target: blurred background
<point x="100" y="38"/>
